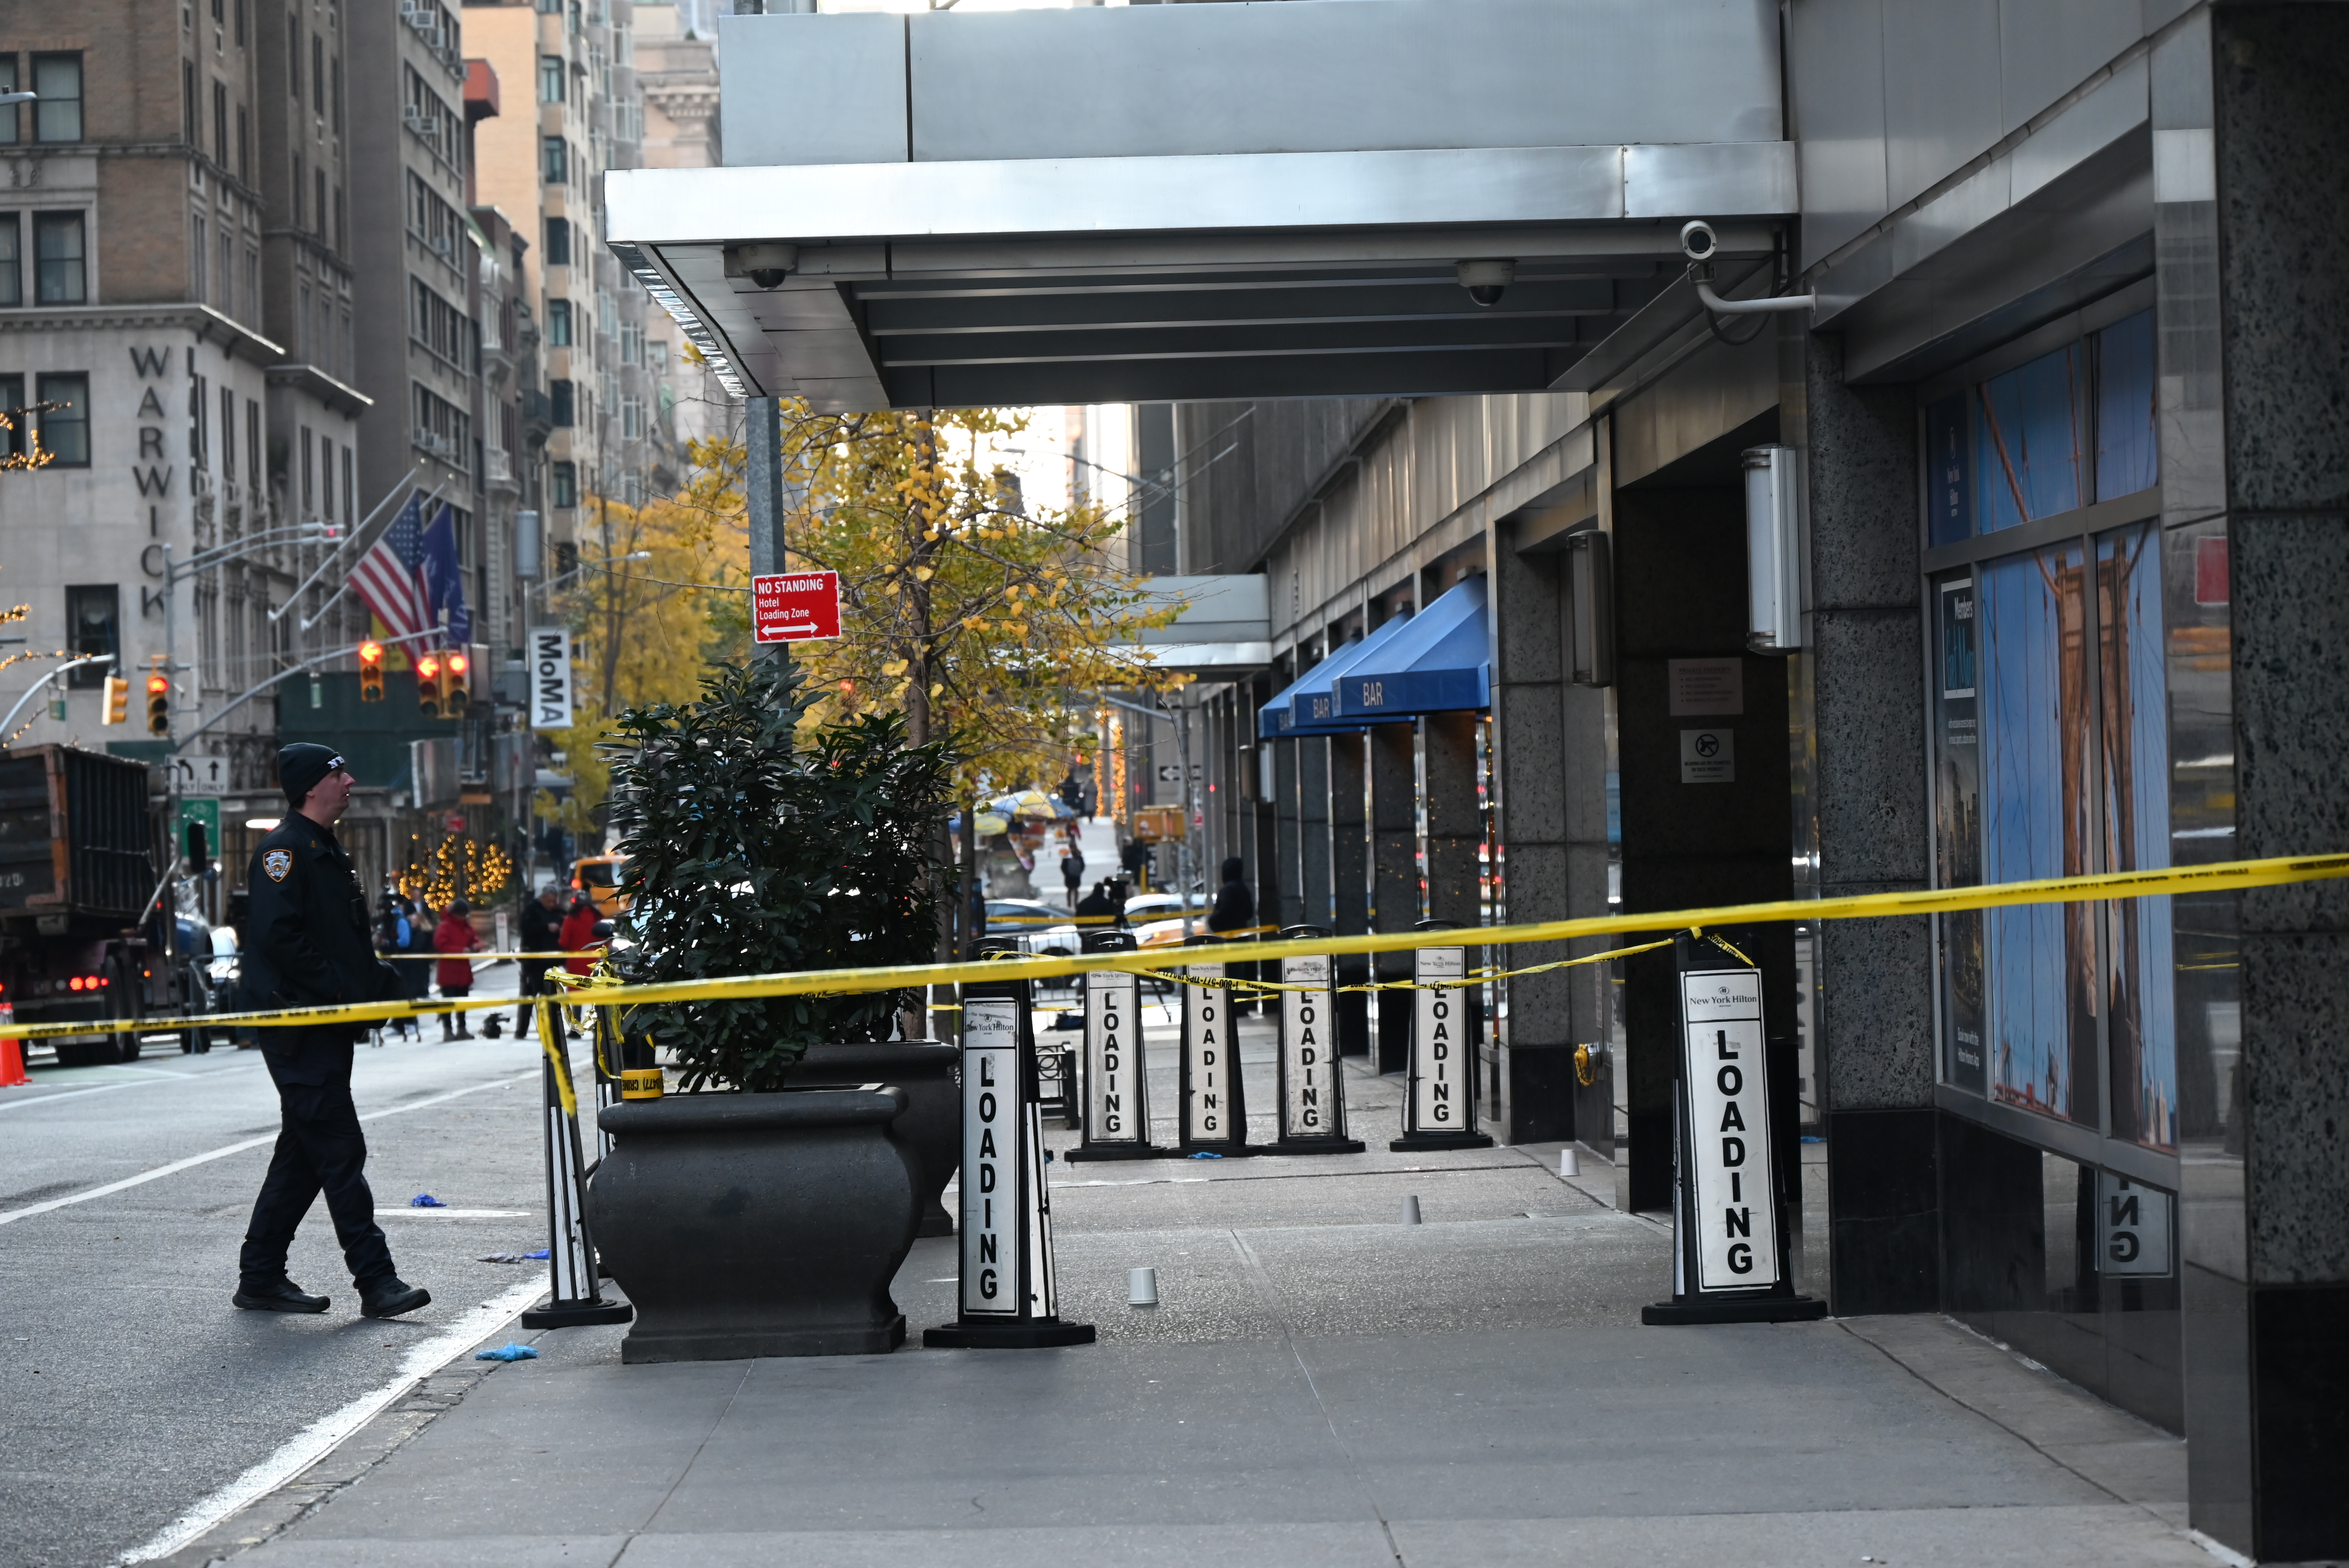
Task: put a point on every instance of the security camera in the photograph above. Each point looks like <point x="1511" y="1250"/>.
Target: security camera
<point x="766" y="265"/>
<point x="1485" y="281"/>
<point x="1698" y="241"/>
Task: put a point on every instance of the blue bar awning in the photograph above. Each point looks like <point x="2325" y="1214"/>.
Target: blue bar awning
<point x="1441" y="661"/>
<point x="1307" y="706"/>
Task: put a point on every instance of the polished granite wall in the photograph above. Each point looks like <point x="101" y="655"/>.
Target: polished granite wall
<point x="2269" y="1363"/>
<point x="1875" y="1007"/>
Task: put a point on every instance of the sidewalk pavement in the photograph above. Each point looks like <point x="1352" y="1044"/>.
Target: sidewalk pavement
<point x="1321" y="1385"/>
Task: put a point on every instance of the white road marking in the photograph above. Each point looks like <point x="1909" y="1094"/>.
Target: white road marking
<point x="10" y="1216"/>
<point x="148" y="1078"/>
<point x="315" y="1442"/>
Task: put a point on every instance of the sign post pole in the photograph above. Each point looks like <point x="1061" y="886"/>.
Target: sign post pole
<point x="1006" y="1296"/>
<point x="1439" y="1107"/>
<point x="1115" y="1078"/>
<point x="1312" y="1087"/>
<point x="1729" y="1202"/>
<point x="1214" y="1117"/>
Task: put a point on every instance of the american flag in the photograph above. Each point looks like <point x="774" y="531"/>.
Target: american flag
<point x="389" y="578"/>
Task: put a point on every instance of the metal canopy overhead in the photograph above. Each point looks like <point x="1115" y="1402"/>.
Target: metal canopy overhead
<point x="1234" y="201"/>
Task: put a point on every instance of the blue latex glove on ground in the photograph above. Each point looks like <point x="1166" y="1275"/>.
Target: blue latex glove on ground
<point x="507" y="1353"/>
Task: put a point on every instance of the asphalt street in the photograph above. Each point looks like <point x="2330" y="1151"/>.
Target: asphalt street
<point x="129" y="1387"/>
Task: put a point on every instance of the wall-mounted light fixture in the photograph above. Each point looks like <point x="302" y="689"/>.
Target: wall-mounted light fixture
<point x="1773" y="552"/>
<point x="1590" y="606"/>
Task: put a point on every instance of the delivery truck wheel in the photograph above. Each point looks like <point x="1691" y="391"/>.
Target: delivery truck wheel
<point x="124" y="1000"/>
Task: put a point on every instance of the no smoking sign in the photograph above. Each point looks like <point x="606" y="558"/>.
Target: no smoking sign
<point x="795" y="606"/>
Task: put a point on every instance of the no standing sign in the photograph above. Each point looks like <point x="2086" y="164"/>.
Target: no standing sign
<point x="795" y="606"/>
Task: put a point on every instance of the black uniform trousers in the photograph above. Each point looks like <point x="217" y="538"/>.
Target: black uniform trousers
<point x="320" y="1149"/>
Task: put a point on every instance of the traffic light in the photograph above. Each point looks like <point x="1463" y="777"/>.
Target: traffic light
<point x="118" y="702"/>
<point x="158" y="704"/>
<point x="370" y="672"/>
<point x="428" y="686"/>
<point x="456" y="685"/>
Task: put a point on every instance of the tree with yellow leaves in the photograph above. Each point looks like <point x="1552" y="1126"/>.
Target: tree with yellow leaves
<point x="981" y="619"/>
<point x="648" y="609"/>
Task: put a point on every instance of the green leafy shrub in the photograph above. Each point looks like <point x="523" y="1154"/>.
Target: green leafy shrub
<point x="748" y="854"/>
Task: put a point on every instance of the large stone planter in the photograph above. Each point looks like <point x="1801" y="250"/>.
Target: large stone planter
<point x="932" y="1125"/>
<point x="757" y="1224"/>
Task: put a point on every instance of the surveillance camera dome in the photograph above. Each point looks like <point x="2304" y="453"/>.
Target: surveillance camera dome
<point x="1698" y="241"/>
<point x="1485" y="281"/>
<point x="768" y="277"/>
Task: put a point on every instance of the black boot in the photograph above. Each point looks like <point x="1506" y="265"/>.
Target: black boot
<point x="281" y="1294"/>
<point x="390" y="1297"/>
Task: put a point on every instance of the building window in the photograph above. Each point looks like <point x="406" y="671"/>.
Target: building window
<point x="243" y="146"/>
<point x="317" y="74"/>
<point x="554" y="160"/>
<point x="565" y="484"/>
<point x="228" y="435"/>
<point x="11" y="125"/>
<point x="632" y="420"/>
<point x="57" y="115"/>
<point x="350" y="490"/>
<point x="64" y="423"/>
<point x="15" y="441"/>
<point x="564" y="401"/>
<point x="550" y="79"/>
<point x="293" y="54"/>
<point x="93" y="629"/>
<point x="188" y="106"/>
<point x="198" y="247"/>
<point x="558" y="241"/>
<point x="558" y="324"/>
<point x="2050" y="739"/>
<point x="59" y="259"/>
<point x="12" y="263"/>
<point x="294" y="192"/>
<point x="310" y="480"/>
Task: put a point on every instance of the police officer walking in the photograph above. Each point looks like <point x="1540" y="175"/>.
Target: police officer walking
<point x="309" y="948"/>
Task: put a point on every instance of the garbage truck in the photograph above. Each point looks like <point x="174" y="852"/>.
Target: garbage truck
<point x="86" y="930"/>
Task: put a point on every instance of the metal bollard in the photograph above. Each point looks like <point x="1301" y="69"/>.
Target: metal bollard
<point x="1411" y="1211"/>
<point x="1570" y="1162"/>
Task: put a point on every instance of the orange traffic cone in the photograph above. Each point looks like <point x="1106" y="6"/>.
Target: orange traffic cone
<point x="11" y="1054"/>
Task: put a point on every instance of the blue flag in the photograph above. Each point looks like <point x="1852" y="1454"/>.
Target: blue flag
<point x="444" y="579"/>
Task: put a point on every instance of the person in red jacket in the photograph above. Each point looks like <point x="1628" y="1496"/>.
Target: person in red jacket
<point x="452" y="938"/>
<point x="579" y="937"/>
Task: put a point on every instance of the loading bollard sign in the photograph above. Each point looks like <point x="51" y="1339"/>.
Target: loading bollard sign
<point x="795" y="606"/>
<point x="1729" y="1217"/>
<point x="1214" y="1114"/>
<point x="1312" y="1088"/>
<point x="1439" y="1106"/>
<point x="1008" y="1297"/>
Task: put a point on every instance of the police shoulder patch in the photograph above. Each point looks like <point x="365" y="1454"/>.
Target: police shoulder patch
<point x="277" y="862"/>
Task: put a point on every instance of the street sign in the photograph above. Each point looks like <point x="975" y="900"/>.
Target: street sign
<point x="795" y="606"/>
<point x="204" y="809"/>
<point x="551" y="699"/>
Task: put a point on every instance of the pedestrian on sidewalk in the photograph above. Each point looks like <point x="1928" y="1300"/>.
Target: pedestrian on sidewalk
<point x="542" y="932"/>
<point x="453" y="938"/>
<point x="1235" y="913"/>
<point x="578" y="936"/>
<point x="310" y="949"/>
<point x="414" y="972"/>
<point x="393" y="934"/>
<point x="1073" y="870"/>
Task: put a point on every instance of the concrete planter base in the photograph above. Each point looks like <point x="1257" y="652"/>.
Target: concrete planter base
<point x="932" y="1125"/>
<point x="757" y="1224"/>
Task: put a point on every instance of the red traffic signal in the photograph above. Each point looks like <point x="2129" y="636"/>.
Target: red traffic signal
<point x="158" y="704"/>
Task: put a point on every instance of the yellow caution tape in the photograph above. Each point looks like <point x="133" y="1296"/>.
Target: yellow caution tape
<point x="2226" y="876"/>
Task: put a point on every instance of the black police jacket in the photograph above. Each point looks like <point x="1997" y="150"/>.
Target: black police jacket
<point x="310" y="948"/>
